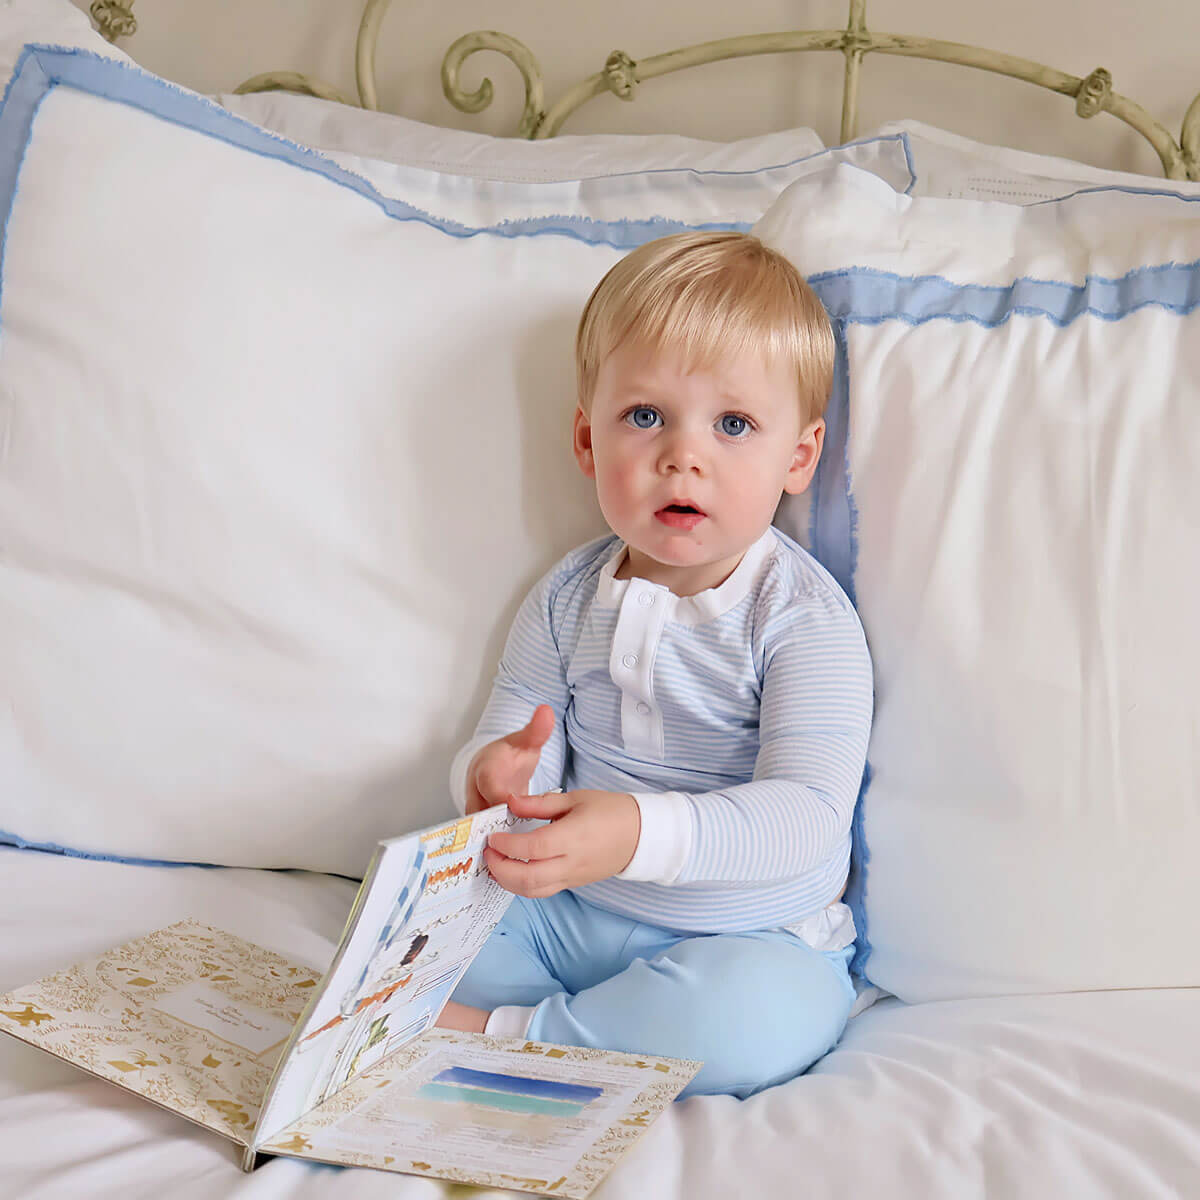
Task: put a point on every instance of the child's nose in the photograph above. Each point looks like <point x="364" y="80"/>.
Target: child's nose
<point x="681" y="454"/>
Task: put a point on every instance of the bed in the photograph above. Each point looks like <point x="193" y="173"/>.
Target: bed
<point x="251" y="593"/>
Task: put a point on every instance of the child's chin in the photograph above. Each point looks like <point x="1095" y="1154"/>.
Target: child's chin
<point x="677" y="556"/>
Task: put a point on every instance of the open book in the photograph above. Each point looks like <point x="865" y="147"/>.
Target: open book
<point x="345" y="1068"/>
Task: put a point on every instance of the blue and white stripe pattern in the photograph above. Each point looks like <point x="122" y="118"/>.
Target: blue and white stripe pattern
<point x="762" y="689"/>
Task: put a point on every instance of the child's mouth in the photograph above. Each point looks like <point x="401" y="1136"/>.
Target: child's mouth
<point x="680" y="516"/>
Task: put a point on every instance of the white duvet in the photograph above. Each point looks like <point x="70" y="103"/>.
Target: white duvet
<point x="1076" y="1095"/>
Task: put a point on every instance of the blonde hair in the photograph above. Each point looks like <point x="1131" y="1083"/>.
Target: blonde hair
<point x="707" y="295"/>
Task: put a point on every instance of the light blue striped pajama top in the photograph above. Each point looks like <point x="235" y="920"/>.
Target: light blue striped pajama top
<point x="738" y="717"/>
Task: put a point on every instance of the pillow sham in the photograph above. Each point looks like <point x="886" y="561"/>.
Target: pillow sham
<point x="1010" y="492"/>
<point x="610" y="177"/>
<point x="341" y="129"/>
<point x="954" y="167"/>
<point x="282" y="450"/>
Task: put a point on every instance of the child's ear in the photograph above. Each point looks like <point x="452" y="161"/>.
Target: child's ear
<point x="582" y="439"/>
<point x="806" y="457"/>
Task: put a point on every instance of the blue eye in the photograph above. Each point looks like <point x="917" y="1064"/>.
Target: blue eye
<point x="643" y="417"/>
<point x="734" y="426"/>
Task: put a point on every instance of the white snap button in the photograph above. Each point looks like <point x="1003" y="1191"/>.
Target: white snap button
<point x="645" y="599"/>
<point x="643" y="708"/>
<point x="630" y="661"/>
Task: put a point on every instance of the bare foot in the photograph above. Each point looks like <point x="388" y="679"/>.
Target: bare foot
<point x="463" y="1017"/>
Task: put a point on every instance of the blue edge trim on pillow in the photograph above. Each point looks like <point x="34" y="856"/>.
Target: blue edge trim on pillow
<point x="856" y="296"/>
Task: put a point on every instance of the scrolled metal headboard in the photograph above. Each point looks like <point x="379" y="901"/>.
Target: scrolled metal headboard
<point x="622" y="75"/>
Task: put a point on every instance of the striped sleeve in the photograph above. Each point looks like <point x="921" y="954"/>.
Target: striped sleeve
<point x="531" y="672"/>
<point x="815" y="719"/>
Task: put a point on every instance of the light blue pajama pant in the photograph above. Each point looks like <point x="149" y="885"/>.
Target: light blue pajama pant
<point x="758" y="1008"/>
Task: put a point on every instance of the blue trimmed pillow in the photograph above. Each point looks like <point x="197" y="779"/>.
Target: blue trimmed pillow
<point x="1010" y="492"/>
<point x="281" y="446"/>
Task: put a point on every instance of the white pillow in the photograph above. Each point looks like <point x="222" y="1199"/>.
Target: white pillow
<point x="343" y="129"/>
<point x="481" y="179"/>
<point x="955" y="167"/>
<point x="279" y="454"/>
<point x="1014" y="510"/>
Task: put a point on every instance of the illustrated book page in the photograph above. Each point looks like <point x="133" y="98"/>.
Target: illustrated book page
<point x="426" y="906"/>
<point x="494" y="1112"/>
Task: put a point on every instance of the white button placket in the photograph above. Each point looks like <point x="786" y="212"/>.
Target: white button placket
<point x="645" y="609"/>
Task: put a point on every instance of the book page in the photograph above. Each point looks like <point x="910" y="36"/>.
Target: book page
<point x="425" y="908"/>
<point x="190" y="1017"/>
<point x="495" y="1112"/>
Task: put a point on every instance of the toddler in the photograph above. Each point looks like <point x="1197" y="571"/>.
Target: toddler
<point x="697" y="685"/>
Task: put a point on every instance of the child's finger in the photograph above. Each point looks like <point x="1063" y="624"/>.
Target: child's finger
<point x="537" y="732"/>
<point x="523" y="878"/>
<point x="537" y="844"/>
<point x="544" y="807"/>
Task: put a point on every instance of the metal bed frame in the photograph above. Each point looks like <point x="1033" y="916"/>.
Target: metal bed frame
<point x="622" y="75"/>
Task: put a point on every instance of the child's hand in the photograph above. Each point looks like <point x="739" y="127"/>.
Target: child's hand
<point x="591" y="836"/>
<point x="506" y="766"/>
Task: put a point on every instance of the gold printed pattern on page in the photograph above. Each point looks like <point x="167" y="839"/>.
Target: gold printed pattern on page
<point x="26" y="1016"/>
<point x="190" y="1017"/>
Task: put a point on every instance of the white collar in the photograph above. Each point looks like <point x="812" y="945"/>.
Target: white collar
<point x="703" y="606"/>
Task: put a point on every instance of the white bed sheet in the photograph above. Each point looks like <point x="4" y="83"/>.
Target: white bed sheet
<point x="1077" y="1095"/>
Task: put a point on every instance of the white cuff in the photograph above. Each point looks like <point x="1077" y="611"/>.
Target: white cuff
<point x="509" y="1020"/>
<point x="458" y="772"/>
<point x="666" y="838"/>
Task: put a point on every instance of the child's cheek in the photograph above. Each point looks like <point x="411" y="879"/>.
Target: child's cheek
<point x="615" y="478"/>
<point x="617" y="504"/>
<point x="611" y="495"/>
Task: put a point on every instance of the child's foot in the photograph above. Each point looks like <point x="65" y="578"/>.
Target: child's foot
<point x="463" y="1018"/>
